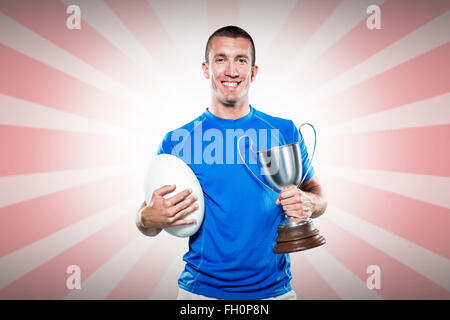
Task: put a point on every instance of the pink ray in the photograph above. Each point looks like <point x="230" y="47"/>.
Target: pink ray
<point x="431" y="189"/>
<point x="398" y="18"/>
<point x="140" y="282"/>
<point x="140" y="18"/>
<point x="407" y="116"/>
<point x="306" y="17"/>
<point x="412" y="81"/>
<point x="18" y="112"/>
<point x="398" y="281"/>
<point x="48" y="19"/>
<point x="222" y="14"/>
<point x="48" y="281"/>
<point x="406" y="217"/>
<point x="422" y="150"/>
<point x="307" y="281"/>
<point x="42" y="216"/>
<point x="27" y="79"/>
<point x="31" y="150"/>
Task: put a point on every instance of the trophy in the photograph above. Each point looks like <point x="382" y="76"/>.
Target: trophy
<point x="282" y="167"/>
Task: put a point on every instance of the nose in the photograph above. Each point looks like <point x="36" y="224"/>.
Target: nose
<point x="231" y="69"/>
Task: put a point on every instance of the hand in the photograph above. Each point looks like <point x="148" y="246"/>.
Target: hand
<point x="162" y="213"/>
<point x="296" y="203"/>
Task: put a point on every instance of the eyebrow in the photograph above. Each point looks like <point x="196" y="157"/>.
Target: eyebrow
<point x="238" y="56"/>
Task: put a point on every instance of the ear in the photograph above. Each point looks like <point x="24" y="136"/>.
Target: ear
<point x="255" y="69"/>
<point x="205" y="68"/>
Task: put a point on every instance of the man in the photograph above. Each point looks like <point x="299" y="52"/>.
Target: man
<point x="231" y="256"/>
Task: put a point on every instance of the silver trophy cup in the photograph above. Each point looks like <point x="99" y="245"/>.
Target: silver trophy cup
<point x="282" y="167"/>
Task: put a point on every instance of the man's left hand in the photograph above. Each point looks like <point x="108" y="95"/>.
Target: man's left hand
<point x="296" y="203"/>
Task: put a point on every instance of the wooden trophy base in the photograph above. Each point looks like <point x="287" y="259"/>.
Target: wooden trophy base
<point x="298" y="238"/>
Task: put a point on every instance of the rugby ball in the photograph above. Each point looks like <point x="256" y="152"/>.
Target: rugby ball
<point x="166" y="169"/>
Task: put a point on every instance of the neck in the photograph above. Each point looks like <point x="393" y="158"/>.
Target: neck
<point x="231" y="111"/>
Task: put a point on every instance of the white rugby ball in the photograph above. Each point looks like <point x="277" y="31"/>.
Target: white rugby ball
<point x="166" y="169"/>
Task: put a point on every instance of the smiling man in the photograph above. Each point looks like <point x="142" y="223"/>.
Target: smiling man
<point x="231" y="256"/>
<point x="230" y="80"/>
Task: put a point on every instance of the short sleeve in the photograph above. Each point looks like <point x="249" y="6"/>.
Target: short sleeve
<point x="306" y="161"/>
<point x="165" y="146"/>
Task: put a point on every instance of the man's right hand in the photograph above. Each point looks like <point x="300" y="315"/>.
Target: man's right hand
<point x="162" y="213"/>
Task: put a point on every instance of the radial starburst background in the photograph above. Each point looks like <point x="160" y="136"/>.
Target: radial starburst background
<point x="83" y="111"/>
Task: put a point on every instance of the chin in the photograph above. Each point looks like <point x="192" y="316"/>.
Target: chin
<point x="229" y="103"/>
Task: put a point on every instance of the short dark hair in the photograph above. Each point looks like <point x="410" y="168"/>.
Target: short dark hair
<point x="230" y="32"/>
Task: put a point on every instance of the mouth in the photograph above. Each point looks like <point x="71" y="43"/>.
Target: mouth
<point x="230" y="84"/>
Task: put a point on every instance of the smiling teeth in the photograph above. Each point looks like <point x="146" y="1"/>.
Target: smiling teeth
<point x="230" y="84"/>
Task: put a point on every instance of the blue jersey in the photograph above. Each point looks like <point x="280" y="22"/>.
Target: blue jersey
<point x="231" y="256"/>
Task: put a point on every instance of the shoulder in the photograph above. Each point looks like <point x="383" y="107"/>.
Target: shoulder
<point x="178" y="134"/>
<point x="188" y="128"/>
<point x="286" y="127"/>
<point x="277" y="122"/>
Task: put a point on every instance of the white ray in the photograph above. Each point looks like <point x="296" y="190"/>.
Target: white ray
<point x="100" y="17"/>
<point x="17" y="112"/>
<point x="263" y="20"/>
<point x="186" y="23"/>
<point x="429" y="112"/>
<point x="346" y="284"/>
<point x="24" y="260"/>
<point x="344" y="18"/>
<point x="429" y="264"/>
<point x="33" y="45"/>
<point x="18" y="188"/>
<point x="167" y="287"/>
<point x="422" y="40"/>
<point x="431" y="189"/>
<point x="100" y="283"/>
<point x="189" y="38"/>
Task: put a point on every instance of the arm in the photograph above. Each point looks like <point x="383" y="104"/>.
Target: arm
<point x="314" y="191"/>
<point x="306" y="201"/>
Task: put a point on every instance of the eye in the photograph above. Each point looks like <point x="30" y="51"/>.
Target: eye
<point x="242" y="60"/>
<point x="220" y="60"/>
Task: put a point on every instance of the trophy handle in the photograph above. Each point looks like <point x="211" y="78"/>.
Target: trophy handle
<point x="243" y="160"/>
<point x="314" y="149"/>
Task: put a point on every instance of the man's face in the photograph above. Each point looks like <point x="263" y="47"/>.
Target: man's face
<point x="230" y="69"/>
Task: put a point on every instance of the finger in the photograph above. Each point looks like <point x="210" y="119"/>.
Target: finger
<point x="278" y="201"/>
<point x="182" y="222"/>
<point x="289" y="192"/>
<point x="292" y="207"/>
<point x="297" y="214"/>
<point x="184" y="204"/>
<point x="164" y="190"/>
<point x="178" y="197"/>
<point x="294" y="213"/>
<point x="184" y="213"/>
<point x="292" y="200"/>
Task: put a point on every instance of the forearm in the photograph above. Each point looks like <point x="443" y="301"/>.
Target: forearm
<point x="148" y="231"/>
<point x="320" y="204"/>
<point x="315" y="192"/>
